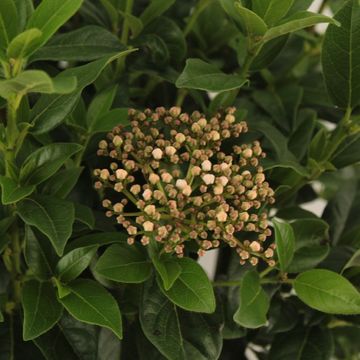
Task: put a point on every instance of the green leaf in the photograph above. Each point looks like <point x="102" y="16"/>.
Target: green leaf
<point x="46" y="161"/>
<point x="254" y="303"/>
<point x="53" y="217"/>
<point x="84" y="44"/>
<point x="155" y="8"/>
<point x="71" y="265"/>
<point x="271" y="11"/>
<point x="285" y="243"/>
<point x="100" y="105"/>
<point x="1" y="317"/>
<point x="24" y="9"/>
<point x="124" y="263"/>
<point x="8" y="22"/>
<point x="91" y="303"/>
<point x="24" y="44"/>
<point x="251" y="23"/>
<point x="313" y="343"/>
<point x="192" y="289"/>
<point x="41" y="308"/>
<point x="62" y="182"/>
<point x="340" y="56"/>
<point x="198" y="74"/>
<point x="297" y="22"/>
<point x="50" y="110"/>
<point x="107" y="121"/>
<point x="178" y="335"/>
<point x="36" y="81"/>
<point x="84" y="215"/>
<point x="134" y="23"/>
<point x="39" y="255"/>
<point x="328" y="292"/>
<point x="353" y="262"/>
<point x="50" y="15"/>
<point x="11" y="192"/>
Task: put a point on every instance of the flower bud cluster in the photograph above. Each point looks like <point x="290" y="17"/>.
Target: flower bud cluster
<point x="188" y="182"/>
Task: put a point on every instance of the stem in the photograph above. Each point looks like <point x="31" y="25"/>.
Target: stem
<point x="16" y="263"/>
<point x="182" y="93"/>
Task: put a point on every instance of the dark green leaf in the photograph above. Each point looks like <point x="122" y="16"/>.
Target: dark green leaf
<point x="124" y="263"/>
<point x="84" y="44"/>
<point x="31" y="81"/>
<point x="328" y="292"/>
<point x="11" y="192"/>
<point x="285" y="243"/>
<point x="91" y="303"/>
<point x="85" y="215"/>
<point x="271" y="11"/>
<point x="107" y="121"/>
<point x="192" y="289"/>
<point x="46" y="161"/>
<point x="340" y="56"/>
<point x="41" y="308"/>
<point x="254" y="303"/>
<point x="100" y="239"/>
<point x="251" y="23"/>
<point x="50" y="15"/>
<point x="155" y="9"/>
<point x="8" y="22"/>
<point x="71" y="265"/>
<point x="53" y="217"/>
<point x="50" y="110"/>
<point x="203" y="76"/>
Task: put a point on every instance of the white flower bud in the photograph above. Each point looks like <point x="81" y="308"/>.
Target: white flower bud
<point x="251" y="194"/>
<point x="147" y="194"/>
<point x="154" y="178"/>
<point x="206" y="165"/>
<point x="255" y="246"/>
<point x="223" y="180"/>
<point x="132" y="230"/>
<point x="218" y="189"/>
<point x="150" y="210"/>
<point x="170" y="151"/>
<point x="215" y="135"/>
<point x="181" y="184"/>
<point x="166" y="177"/>
<point x="104" y="174"/>
<point x="221" y="216"/>
<point x="187" y="190"/>
<point x="148" y="226"/>
<point x="157" y="154"/>
<point x="180" y="138"/>
<point x="117" y="140"/>
<point x="202" y="122"/>
<point x="121" y="174"/>
<point x="208" y="179"/>
<point x="230" y="118"/>
<point x="196" y="171"/>
<point x="118" y="207"/>
<point x="135" y="189"/>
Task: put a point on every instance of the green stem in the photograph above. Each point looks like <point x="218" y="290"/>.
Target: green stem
<point x="226" y="283"/>
<point x="182" y="93"/>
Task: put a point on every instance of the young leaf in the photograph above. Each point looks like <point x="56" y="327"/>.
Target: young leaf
<point x="46" y="161"/>
<point x="271" y="11"/>
<point x="8" y="22"/>
<point x="89" y="302"/>
<point x="251" y="23"/>
<point x="328" y="292"/>
<point x="124" y="263"/>
<point x="155" y="8"/>
<point x="340" y="57"/>
<point x="11" y="192"/>
<point x="36" y="81"/>
<point x="198" y="74"/>
<point x="285" y="243"/>
<point x="50" y="15"/>
<point x="53" y="217"/>
<point x="71" y="265"/>
<point x="297" y="22"/>
<point x="41" y="308"/>
<point x="50" y="110"/>
<point x="24" y="44"/>
<point x="254" y="303"/>
<point x="84" y="44"/>
<point x="192" y="289"/>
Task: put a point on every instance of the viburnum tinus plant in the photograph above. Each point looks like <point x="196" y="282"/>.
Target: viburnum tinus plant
<point x="139" y="137"/>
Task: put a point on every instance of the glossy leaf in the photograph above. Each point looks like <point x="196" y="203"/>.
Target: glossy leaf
<point x="36" y="81"/>
<point x="124" y="263"/>
<point x="91" y="303"/>
<point x="71" y="265"/>
<point x="271" y="11"/>
<point x="8" y="22"/>
<point x="84" y="44"/>
<point x="107" y="121"/>
<point x="251" y="23"/>
<point x="328" y="292"/>
<point x="340" y="56"/>
<point x="84" y="215"/>
<point x="285" y="243"/>
<point x="53" y="217"/>
<point x="11" y="192"/>
<point x="46" y="161"/>
<point x="41" y="308"/>
<point x="51" y="14"/>
<point x="198" y="74"/>
<point x="297" y="22"/>
<point x="254" y="303"/>
<point x="192" y="289"/>
<point x="50" y="110"/>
